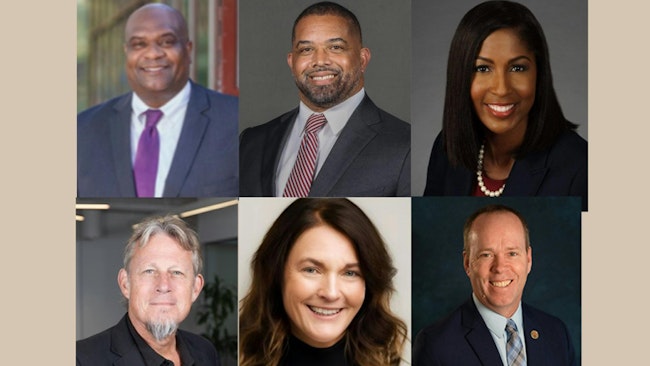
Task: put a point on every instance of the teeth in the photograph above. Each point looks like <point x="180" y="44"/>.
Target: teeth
<point x="321" y="311"/>
<point x="501" y="283"/>
<point x="323" y="77"/>
<point x="153" y="68"/>
<point x="501" y="108"/>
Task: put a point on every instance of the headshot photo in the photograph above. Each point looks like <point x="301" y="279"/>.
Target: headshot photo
<point x="157" y="107"/>
<point x="496" y="281"/>
<point x="325" y="111"/>
<point x="156" y="281"/>
<point x="501" y="108"/>
<point x="324" y="281"/>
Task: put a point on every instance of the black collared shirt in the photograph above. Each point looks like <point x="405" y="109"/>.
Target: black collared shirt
<point x="152" y="358"/>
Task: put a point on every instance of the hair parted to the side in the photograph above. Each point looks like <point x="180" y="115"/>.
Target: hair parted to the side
<point x="171" y="226"/>
<point x="489" y="209"/>
<point x="329" y="8"/>
<point x="375" y="337"/>
<point x="462" y="131"/>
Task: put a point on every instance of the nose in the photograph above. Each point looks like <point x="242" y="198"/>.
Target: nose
<point x="154" y="51"/>
<point x="320" y="57"/>
<point x="163" y="283"/>
<point x="498" y="263"/>
<point x="500" y="83"/>
<point x="330" y="288"/>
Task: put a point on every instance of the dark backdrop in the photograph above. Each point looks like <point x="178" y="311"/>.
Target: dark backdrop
<point x="439" y="281"/>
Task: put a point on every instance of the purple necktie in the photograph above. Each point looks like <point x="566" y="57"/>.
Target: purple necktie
<point x="302" y="174"/>
<point x="145" y="167"/>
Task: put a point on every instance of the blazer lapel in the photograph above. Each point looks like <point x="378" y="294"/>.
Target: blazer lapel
<point x="356" y="134"/>
<point x="194" y="126"/>
<point x="120" y="136"/>
<point x="275" y="140"/>
<point x="534" y="346"/>
<point x="478" y="336"/>
<point x="527" y="175"/>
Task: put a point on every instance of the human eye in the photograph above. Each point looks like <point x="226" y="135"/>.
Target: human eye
<point x="168" y="42"/>
<point x="513" y="253"/>
<point x="481" y="68"/>
<point x="305" y="50"/>
<point x="310" y="270"/>
<point x="485" y="255"/>
<point x="518" y="68"/>
<point x="177" y="273"/>
<point x="137" y="44"/>
<point x="148" y="271"/>
<point x="351" y="274"/>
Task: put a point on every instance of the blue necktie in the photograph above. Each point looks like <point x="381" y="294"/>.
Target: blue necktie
<point x="514" y="347"/>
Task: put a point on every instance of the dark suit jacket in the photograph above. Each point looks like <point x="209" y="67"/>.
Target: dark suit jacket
<point x="370" y="158"/>
<point x="463" y="339"/>
<point x="560" y="170"/>
<point x="115" y="346"/>
<point x="205" y="162"/>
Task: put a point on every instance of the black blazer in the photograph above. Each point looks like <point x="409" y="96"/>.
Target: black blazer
<point x="560" y="170"/>
<point x="205" y="162"/>
<point x="372" y="156"/>
<point x="463" y="339"/>
<point x="116" y="347"/>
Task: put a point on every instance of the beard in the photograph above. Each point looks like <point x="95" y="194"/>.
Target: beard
<point x="327" y="96"/>
<point x="161" y="329"/>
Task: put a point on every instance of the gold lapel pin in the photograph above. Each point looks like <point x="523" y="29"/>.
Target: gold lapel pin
<point x="534" y="334"/>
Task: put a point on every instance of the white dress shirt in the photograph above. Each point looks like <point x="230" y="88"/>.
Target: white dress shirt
<point x="169" y="130"/>
<point x="496" y="323"/>
<point x="337" y="117"/>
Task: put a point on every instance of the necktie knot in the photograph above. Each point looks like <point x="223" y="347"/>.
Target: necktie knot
<point x="152" y="117"/>
<point x="315" y="122"/>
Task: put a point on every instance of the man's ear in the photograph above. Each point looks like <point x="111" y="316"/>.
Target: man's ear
<point x="197" y="287"/>
<point x="123" y="283"/>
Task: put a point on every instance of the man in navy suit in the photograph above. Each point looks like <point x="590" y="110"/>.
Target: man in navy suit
<point x="197" y="154"/>
<point x="361" y="150"/>
<point x="160" y="280"/>
<point x="494" y="327"/>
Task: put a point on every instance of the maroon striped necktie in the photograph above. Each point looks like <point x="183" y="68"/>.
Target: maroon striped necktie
<point x="302" y="174"/>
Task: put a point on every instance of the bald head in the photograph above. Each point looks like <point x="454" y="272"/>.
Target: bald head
<point x="163" y="12"/>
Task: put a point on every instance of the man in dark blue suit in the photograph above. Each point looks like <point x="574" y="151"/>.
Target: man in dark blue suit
<point x="191" y="147"/>
<point x="494" y="327"/>
<point x="160" y="280"/>
<point x="361" y="150"/>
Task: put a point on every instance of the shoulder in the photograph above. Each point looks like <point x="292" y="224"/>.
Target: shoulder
<point x="572" y="143"/>
<point x="94" y="348"/>
<point x="389" y="122"/>
<point x="201" y="348"/>
<point x="263" y="130"/>
<point x="539" y="317"/>
<point x="214" y="95"/>
<point x="442" y="332"/>
<point x="100" y="111"/>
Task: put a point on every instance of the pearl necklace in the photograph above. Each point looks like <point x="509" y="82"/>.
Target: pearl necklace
<point x="479" y="177"/>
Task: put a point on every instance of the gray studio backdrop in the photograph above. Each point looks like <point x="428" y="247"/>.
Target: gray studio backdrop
<point x="266" y="84"/>
<point x="433" y="26"/>
<point x="439" y="281"/>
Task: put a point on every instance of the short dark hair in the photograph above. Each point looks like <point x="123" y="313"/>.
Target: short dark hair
<point x="374" y="337"/>
<point x="462" y="131"/>
<point x="329" y="8"/>
<point x="492" y="209"/>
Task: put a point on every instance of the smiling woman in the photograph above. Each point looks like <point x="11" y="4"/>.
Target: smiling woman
<point x="320" y="291"/>
<point x="503" y="128"/>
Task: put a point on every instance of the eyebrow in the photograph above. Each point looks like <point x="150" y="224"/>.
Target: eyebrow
<point x="331" y="40"/>
<point x="486" y="59"/>
<point x="321" y="264"/>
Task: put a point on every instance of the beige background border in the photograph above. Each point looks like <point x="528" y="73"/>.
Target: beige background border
<point x="38" y="63"/>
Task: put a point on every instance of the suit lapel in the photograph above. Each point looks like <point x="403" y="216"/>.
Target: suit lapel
<point x="527" y="175"/>
<point x="534" y="347"/>
<point x="275" y="140"/>
<point x="354" y="137"/>
<point x="478" y="336"/>
<point x="194" y="126"/>
<point x="120" y="136"/>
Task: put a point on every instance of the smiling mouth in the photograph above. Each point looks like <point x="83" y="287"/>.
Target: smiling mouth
<point x="324" y="312"/>
<point x="501" y="108"/>
<point x="320" y="78"/>
<point x="153" y="69"/>
<point x="500" y="283"/>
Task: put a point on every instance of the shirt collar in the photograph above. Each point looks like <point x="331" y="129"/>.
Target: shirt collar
<point x="151" y="357"/>
<point x="496" y="323"/>
<point x="338" y="115"/>
<point x="178" y="101"/>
